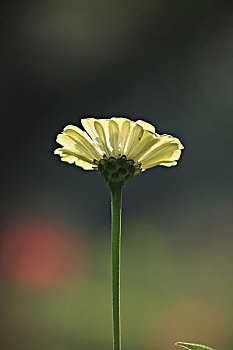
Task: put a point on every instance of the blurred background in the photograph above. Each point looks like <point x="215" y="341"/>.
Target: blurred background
<point x="169" y="63"/>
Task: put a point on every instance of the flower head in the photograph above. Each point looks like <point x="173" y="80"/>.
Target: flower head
<point x="117" y="148"/>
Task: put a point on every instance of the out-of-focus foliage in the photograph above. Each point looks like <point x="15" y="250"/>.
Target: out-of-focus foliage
<point x="165" y="295"/>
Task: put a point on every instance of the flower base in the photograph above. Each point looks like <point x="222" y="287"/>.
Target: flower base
<point x="117" y="171"/>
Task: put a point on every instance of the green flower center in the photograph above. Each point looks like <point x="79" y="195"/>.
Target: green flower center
<point x="117" y="171"/>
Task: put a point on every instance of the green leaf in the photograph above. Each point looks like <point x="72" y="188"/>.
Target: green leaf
<point x="192" y="346"/>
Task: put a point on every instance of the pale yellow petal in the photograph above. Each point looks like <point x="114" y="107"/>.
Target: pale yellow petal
<point x="68" y="158"/>
<point x="105" y="125"/>
<point x="162" y="140"/>
<point x="83" y="164"/>
<point x="81" y="161"/>
<point x="134" y="137"/>
<point x="168" y="163"/>
<point x="88" y="124"/>
<point x="157" y="163"/>
<point x="86" y="142"/>
<point x="168" y="152"/>
<point x="58" y="151"/>
<point x="146" y="126"/>
<point x="65" y="141"/>
<point x="125" y="130"/>
<point x="101" y="145"/>
<point x="160" y="151"/>
<point x="124" y="125"/>
<point x="70" y="142"/>
<point x="102" y="139"/>
<point x="79" y="131"/>
<point x="114" y="137"/>
<point x="146" y="143"/>
<point x="120" y="121"/>
<point x="62" y="152"/>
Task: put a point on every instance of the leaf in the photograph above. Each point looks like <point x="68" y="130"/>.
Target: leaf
<point x="192" y="346"/>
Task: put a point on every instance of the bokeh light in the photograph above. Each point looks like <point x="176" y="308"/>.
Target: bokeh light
<point x="195" y="320"/>
<point x="37" y="254"/>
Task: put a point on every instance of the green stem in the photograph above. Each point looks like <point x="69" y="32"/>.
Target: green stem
<point x="116" y="197"/>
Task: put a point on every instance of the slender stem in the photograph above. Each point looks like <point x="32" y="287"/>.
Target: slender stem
<point x="116" y="197"/>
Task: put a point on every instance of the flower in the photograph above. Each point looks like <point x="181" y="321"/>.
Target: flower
<point x="117" y="148"/>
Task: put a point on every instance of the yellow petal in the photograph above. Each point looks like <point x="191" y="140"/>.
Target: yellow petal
<point x="79" y="131"/>
<point x="102" y="136"/>
<point x="68" y="158"/>
<point x="88" y="124"/>
<point x="65" y="141"/>
<point x="160" y="151"/>
<point x="86" y="142"/>
<point x="79" y="162"/>
<point x="161" y="155"/>
<point x="157" y="163"/>
<point x="125" y="130"/>
<point x="147" y="141"/>
<point x="70" y="142"/>
<point x="114" y="137"/>
<point x="162" y="140"/>
<point x="120" y="121"/>
<point x="83" y="164"/>
<point x="168" y="164"/>
<point x="134" y="138"/>
<point x="65" y="151"/>
<point x="58" y="151"/>
<point x="146" y="126"/>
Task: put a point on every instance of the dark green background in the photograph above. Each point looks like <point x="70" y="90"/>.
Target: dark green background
<point x="169" y="63"/>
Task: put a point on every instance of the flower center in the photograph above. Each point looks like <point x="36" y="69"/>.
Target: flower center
<point x="117" y="171"/>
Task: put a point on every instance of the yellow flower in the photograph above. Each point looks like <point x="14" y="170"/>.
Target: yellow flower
<point x="117" y="146"/>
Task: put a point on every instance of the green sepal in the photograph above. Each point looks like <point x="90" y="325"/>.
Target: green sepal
<point x="117" y="171"/>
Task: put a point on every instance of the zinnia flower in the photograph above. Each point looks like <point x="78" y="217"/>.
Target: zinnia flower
<point x="117" y="148"/>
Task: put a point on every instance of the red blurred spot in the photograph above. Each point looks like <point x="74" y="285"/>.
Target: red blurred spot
<point x="41" y="255"/>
